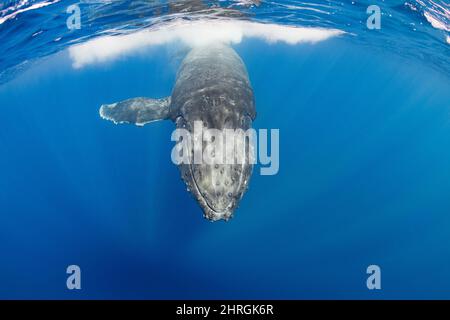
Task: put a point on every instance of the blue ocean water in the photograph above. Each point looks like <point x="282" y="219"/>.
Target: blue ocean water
<point x="364" y="177"/>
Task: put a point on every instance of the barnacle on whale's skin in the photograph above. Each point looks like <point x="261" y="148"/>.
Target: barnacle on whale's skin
<point x="212" y="88"/>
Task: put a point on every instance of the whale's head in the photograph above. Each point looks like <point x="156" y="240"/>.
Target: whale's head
<point x="218" y="188"/>
<point x="220" y="165"/>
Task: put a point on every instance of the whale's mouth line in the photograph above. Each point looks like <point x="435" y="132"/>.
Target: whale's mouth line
<point x="223" y="212"/>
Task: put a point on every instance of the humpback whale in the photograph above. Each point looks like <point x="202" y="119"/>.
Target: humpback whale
<point x="212" y="86"/>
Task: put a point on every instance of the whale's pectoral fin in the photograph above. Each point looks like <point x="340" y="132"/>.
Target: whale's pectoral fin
<point x="139" y="111"/>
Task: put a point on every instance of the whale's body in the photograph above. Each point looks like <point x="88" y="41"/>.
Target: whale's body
<point x="212" y="86"/>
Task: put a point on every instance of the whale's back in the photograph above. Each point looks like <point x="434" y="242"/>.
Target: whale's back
<point x="210" y="81"/>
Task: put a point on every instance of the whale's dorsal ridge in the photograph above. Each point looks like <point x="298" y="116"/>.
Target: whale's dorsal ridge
<point x="139" y="111"/>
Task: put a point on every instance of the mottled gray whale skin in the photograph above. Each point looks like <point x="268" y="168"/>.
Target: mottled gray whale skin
<point x="212" y="86"/>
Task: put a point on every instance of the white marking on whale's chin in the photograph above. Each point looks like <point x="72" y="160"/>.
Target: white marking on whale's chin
<point x="193" y="33"/>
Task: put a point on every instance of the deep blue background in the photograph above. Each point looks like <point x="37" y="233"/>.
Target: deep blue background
<point x="364" y="179"/>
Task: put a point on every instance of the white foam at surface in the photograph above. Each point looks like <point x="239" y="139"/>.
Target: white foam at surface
<point x="436" y="23"/>
<point x="32" y="7"/>
<point x="193" y="33"/>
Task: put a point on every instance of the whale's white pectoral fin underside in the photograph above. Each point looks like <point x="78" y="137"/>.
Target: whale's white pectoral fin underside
<point x="139" y="111"/>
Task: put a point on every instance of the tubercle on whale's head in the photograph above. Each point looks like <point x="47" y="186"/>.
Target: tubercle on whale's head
<point x="217" y="187"/>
